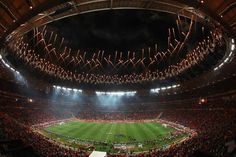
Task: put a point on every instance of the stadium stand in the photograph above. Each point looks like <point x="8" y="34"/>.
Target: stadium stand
<point x="118" y="62"/>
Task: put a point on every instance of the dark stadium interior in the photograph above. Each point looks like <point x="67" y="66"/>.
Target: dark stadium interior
<point x="158" y="76"/>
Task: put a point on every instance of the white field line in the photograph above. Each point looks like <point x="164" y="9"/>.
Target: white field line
<point x="109" y="133"/>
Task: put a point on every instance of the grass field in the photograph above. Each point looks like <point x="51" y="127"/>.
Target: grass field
<point x="139" y="136"/>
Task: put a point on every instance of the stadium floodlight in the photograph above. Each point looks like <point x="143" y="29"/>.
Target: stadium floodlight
<point x="118" y="93"/>
<point x="69" y="89"/>
<point x="221" y="65"/>
<point x="156" y="90"/>
<point x="232" y="47"/>
<point x="174" y="86"/>
<point x="226" y="60"/>
<point x="99" y="93"/>
<point x="7" y="65"/>
<point x="77" y="90"/>
<point x="132" y="93"/>
<point x="163" y="88"/>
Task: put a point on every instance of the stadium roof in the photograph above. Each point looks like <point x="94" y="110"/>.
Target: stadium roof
<point x="17" y="12"/>
<point x="119" y="43"/>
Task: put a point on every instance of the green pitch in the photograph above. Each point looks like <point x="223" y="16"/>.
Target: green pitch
<point x="138" y="136"/>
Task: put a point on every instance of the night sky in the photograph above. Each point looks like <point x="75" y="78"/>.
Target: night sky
<point x="113" y="30"/>
<point x="123" y="31"/>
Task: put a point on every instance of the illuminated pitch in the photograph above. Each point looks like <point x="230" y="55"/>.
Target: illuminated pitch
<point x="116" y="137"/>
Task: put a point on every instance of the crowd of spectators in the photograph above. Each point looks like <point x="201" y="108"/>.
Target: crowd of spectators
<point x="44" y="146"/>
<point x="32" y="113"/>
<point x="215" y="127"/>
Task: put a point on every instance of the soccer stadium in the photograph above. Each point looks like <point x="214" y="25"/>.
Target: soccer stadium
<point x="117" y="78"/>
